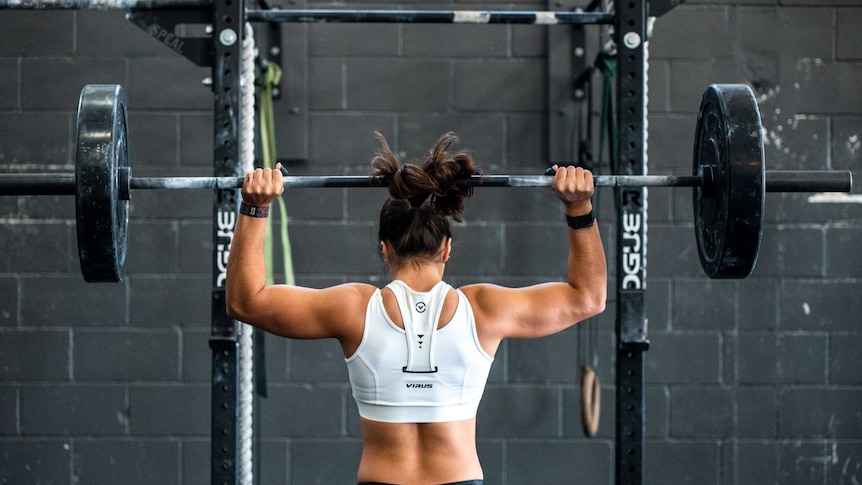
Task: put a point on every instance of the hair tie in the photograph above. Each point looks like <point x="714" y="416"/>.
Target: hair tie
<point x="418" y="200"/>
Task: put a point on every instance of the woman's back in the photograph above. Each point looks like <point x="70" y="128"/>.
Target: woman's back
<point x="420" y="359"/>
<point x="435" y="376"/>
<point x="419" y="453"/>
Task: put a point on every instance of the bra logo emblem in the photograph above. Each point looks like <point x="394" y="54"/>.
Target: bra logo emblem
<point x="419" y="386"/>
<point x="420" y="307"/>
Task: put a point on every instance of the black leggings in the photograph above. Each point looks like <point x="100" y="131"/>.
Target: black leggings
<point x="466" y="482"/>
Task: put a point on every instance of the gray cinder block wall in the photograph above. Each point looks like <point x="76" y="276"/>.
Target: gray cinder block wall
<point x="749" y="382"/>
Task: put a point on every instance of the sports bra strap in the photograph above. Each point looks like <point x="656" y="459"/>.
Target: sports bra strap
<point x="420" y="312"/>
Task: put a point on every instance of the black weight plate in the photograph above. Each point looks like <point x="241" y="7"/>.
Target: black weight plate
<point x="728" y="217"/>
<point x="102" y="215"/>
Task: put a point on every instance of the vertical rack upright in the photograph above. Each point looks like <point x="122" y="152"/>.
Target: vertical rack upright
<point x="228" y="22"/>
<point x="631" y="322"/>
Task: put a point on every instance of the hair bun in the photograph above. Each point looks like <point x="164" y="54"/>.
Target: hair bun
<point x="437" y="181"/>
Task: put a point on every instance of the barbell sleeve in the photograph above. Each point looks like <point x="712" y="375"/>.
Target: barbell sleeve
<point x="808" y="181"/>
<point x="37" y="184"/>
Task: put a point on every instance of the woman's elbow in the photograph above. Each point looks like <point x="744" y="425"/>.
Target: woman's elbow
<point x="233" y="310"/>
<point x="236" y="307"/>
<point x="598" y="302"/>
<point x="600" y="306"/>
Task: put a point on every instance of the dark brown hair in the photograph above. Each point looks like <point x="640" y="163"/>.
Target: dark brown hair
<point x="414" y="221"/>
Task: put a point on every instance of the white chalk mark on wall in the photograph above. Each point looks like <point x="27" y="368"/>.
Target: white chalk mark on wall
<point x="835" y="198"/>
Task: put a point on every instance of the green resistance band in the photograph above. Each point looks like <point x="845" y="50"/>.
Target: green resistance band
<point x="270" y="78"/>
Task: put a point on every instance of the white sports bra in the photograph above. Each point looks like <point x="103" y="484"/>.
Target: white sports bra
<point x="418" y="374"/>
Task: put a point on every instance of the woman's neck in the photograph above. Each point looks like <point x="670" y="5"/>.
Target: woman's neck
<point x="421" y="276"/>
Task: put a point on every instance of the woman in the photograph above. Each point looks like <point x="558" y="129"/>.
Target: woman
<point x="418" y="351"/>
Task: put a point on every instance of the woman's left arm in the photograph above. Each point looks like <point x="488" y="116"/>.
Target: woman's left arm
<point x="544" y="309"/>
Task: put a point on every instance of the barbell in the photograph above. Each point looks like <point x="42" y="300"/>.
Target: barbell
<point x="729" y="181"/>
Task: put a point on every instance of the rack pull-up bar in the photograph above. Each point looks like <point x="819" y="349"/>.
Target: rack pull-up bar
<point x="431" y="16"/>
<point x="335" y="15"/>
<point x="99" y="4"/>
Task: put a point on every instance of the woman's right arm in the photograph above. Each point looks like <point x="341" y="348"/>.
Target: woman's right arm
<point x="289" y="311"/>
<point x="544" y="309"/>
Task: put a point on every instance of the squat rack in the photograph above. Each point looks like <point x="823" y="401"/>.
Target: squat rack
<point x="222" y="52"/>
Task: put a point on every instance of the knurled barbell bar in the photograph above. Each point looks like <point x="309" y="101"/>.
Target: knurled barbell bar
<point x="728" y="184"/>
<point x="64" y="183"/>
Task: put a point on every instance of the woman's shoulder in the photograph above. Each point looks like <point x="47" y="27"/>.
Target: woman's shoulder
<point x="488" y="299"/>
<point x="359" y="290"/>
<point x="478" y="294"/>
<point x="479" y="289"/>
